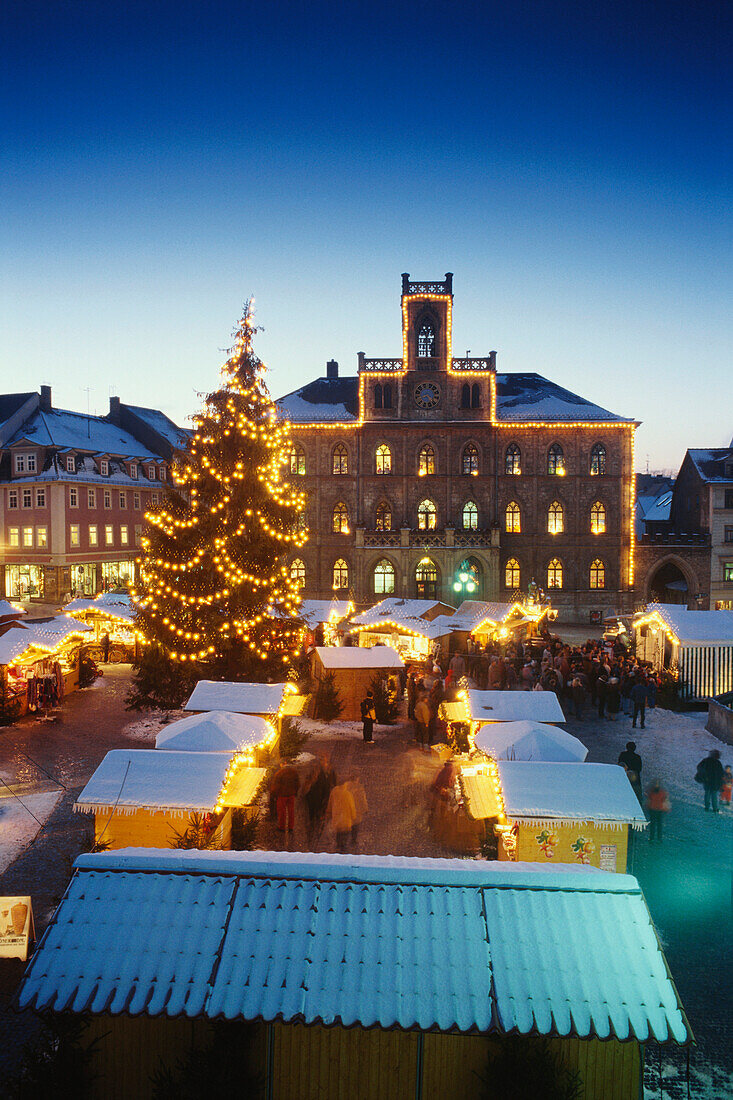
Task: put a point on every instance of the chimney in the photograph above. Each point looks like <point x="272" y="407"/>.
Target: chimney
<point x="332" y="369"/>
<point x="114" y="410"/>
<point x="45" y="402"/>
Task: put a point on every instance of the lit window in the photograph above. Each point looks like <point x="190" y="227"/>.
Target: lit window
<point x="728" y="571"/>
<point x="340" y="459"/>
<point x="383" y="578"/>
<point x="383" y="459"/>
<point x="40" y="498"/>
<point x="598" y="518"/>
<point x="384" y="517"/>
<point x="556" y="460"/>
<point x="296" y="459"/>
<point x="469" y="461"/>
<point x="513" y="518"/>
<point x="73" y="534"/>
<point x="123" y="534"/>
<point x="300" y="523"/>
<point x="123" y="500"/>
<point x="31" y="464"/>
<point x="511" y="574"/>
<point x="297" y="572"/>
<point x="133" y="471"/>
<point x="73" y="497"/>
<point x="427" y="517"/>
<point x="27" y="498"/>
<point x="555" y="519"/>
<point x="104" y="467"/>
<point x="91" y="498"/>
<point x="426" y="341"/>
<point x="41" y="537"/>
<point x="12" y="498"/>
<point x="27" y="536"/>
<point x="513" y="460"/>
<point x="109" y="535"/>
<point x="136" y="501"/>
<point x="426" y="460"/>
<point x="20" y="464"/>
<point x="70" y="464"/>
<point x="107" y="498"/>
<point x="92" y="534"/>
<point x="426" y="580"/>
<point x="340" y="519"/>
<point x="340" y="575"/>
<point x="554" y="574"/>
<point x="470" y="516"/>
<point x="598" y="459"/>
<point x="597" y="574"/>
<point x="14" y="536"/>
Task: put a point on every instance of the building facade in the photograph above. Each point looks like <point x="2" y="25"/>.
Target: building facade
<point x="431" y="476"/>
<point x="74" y="490"/>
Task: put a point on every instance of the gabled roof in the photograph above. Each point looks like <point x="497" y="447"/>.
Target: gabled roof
<point x="240" y="698"/>
<point x="453" y="945"/>
<point x="711" y="463"/>
<point x="62" y="428"/>
<point x="145" y="779"/>
<point x="215" y="731"/>
<point x="163" y="425"/>
<point x="531" y="397"/>
<point x="513" y="706"/>
<point x="394" y="609"/>
<point x="533" y="741"/>
<point x="597" y="793"/>
<point x="691" y="627"/>
<point x="322" y="401"/>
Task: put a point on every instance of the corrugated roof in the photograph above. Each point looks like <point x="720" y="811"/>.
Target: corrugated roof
<point x="430" y="944"/>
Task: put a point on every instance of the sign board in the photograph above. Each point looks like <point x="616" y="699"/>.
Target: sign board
<point x="16" y="927"/>
<point x="595" y="616"/>
<point x="607" y="857"/>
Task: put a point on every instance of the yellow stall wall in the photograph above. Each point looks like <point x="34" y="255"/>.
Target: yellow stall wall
<point x="144" y="829"/>
<point x="595" y="845"/>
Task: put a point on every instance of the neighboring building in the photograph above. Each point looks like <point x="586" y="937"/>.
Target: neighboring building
<point x="74" y="490"/>
<point x="439" y="478"/>
<point x="653" y="502"/>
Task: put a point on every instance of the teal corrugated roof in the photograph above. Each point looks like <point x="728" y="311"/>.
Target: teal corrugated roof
<point x="452" y="945"/>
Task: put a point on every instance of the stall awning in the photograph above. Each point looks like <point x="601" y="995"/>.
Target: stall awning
<point x="243" y="787"/>
<point x="479" y="795"/>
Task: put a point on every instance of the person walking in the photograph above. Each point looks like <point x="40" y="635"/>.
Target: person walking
<point x="411" y="696"/>
<point x="710" y="773"/>
<point x="320" y="782"/>
<point x="639" y="695"/>
<point x="657" y="801"/>
<point x="423" y="715"/>
<point x="342" y="815"/>
<point x="356" y="787"/>
<point x="727" y="789"/>
<point x="368" y="718"/>
<point x="613" y="699"/>
<point x="601" y="689"/>
<point x="285" y="787"/>
<point x="577" y="691"/>
<point x="630" y="760"/>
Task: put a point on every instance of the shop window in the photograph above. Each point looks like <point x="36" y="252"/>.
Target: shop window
<point x="123" y="500"/>
<point x="340" y="575"/>
<point x="554" y="574"/>
<point x="556" y="460"/>
<point x="40" y="498"/>
<point x="598" y="460"/>
<point x="555" y="518"/>
<point x="297" y="572"/>
<point x="513" y="518"/>
<point x="296" y="460"/>
<point x="117" y="574"/>
<point x="511" y="574"/>
<point x="513" y="460"/>
<point x="427" y="517"/>
<point x="107" y="498"/>
<point x="469" y="459"/>
<point x="598" y="518"/>
<point x="27" y="536"/>
<point x="597" y="574"/>
<point x="340" y="460"/>
<point x="470" y="516"/>
<point x="14" y="536"/>
<point x="383" y="578"/>
<point x="123" y="535"/>
<point x="42" y="537"/>
<point x="93" y="536"/>
<point x="426" y="460"/>
<point x="12" y="498"/>
<point x="73" y="496"/>
<point x="340" y="519"/>
<point x="27" y="498"/>
<point x="74" y="534"/>
<point x="23" y="581"/>
<point x="384" y="517"/>
<point x="91" y="498"/>
<point x="383" y="459"/>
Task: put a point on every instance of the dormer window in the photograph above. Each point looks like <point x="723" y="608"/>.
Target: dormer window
<point x="31" y="463"/>
<point x="104" y="467"/>
<point x="151" y="473"/>
<point x="20" y="464"/>
<point x="426" y="340"/>
<point x="70" y="464"/>
<point x="163" y="473"/>
<point x="133" y="470"/>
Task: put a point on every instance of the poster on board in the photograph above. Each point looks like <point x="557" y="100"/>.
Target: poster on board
<point x="607" y="857"/>
<point x="17" y="930"/>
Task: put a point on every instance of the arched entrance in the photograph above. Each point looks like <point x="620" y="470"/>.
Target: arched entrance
<point x="426" y="580"/>
<point x="668" y="584"/>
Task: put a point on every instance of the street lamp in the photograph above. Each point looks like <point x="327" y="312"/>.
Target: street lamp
<point x="464" y="582"/>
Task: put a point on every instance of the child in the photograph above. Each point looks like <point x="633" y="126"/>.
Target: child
<point x="727" y="787"/>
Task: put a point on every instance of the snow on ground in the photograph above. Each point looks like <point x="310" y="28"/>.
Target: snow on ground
<point x="317" y="729"/>
<point x="147" y="729"/>
<point x="18" y="824"/>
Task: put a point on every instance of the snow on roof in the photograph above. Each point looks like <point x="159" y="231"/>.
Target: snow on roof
<point x="598" y="793"/>
<point x="514" y="706"/>
<point x="74" y="431"/>
<point x="532" y="397"/>
<point x="314" y="612"/>
<point x="529" y="741"/>
<point x="376" y="656"/>
<point x="115" y="604"/>
<point x="692" y="627"/>
<point x="457" y="945"/>
<point x="145" y="779"/>
<point x="710" y="463"/>
<point x="241" y="698"/>
<point x="49" y="632"/>
<point x="322" y="400"/>
<point x="13" y="643"/>
<point x="8" y="609"/>
<point x="163" y="425"/>
<point x="394" y="609"/>
<point x="215" y="731"/>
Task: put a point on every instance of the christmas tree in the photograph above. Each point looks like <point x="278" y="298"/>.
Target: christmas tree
<point x="214" y="568"/>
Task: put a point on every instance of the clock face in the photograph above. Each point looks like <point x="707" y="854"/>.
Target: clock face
<point x="427" y="395"/>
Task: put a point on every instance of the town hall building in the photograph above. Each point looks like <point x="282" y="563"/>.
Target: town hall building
<point x="429" y="476"/>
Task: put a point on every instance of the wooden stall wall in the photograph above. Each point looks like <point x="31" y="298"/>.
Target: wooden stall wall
<point x="594" y="845"/>
<point x="144" y="829"/>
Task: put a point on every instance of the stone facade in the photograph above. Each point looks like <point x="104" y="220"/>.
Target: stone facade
<point x="466" y="443"/>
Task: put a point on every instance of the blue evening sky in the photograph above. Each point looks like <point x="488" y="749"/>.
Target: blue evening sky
<point x="569" y="162"/>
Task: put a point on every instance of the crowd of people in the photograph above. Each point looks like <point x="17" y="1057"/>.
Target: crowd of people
<point x="325" y="801"/>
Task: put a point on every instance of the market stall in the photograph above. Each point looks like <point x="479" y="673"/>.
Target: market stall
<point x="554" y="812"/>
<point x="479" y="707"/>
<point x="353" y="670"/>
<point x="696" y="646"/>
<point x="416" y="629"/>
<point x="111" y="616"/>
<point x="39" y="663"/>
<point x="270" y="701"/>
<point x="221" y="731"/>
<point x="145" y="798"/>
<point x="525" y="740"/>
<point x="522" y="620"/>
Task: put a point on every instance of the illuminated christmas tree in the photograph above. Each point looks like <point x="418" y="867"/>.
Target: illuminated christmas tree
<point x="214" y="563"/>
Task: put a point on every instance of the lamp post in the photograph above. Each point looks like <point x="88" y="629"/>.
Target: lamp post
<point x="464" y="583"/>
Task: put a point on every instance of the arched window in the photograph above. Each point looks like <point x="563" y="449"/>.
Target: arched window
<point x="475" y="396"/>
<point x="383" y="459"/>
<point x="378" y="396"/>
<point x="555" y="518"/>
<point x="387" y="395"/>
<point x="426" y="340"/>
<point x="340" y="524"/>
<point x="340" y="464"/>
<point x="556" y="460"/>
<point x="384" y="517"/>
<point x="598" y="459"/>
<point x="511" y="574"/>
<point x="469" y="461"/>
<point x="340" y="575"/>
<point x="513" y="518"/>
<point x="470" y="516"/>
<point x="427" y="517"/>
<point x="597" y="574"/>
<point x="554" y="574"/>
<point x="296" y="459"/>
<point x="598" y="518"/>
<point x="466" y="396"/>
<point x="513" y="460"/>
<point x="426" y="460"/>
<point x="426" y="580"/>
<point x="297" y="572"/>
<point x="383" y="578"/>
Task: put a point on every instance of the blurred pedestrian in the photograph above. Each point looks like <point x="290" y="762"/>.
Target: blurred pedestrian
<point x="657" y="801"/>
<point x="710" y="773"/>
<point x="342" y="814"/>
<point x="630" y="760"/>
<point x="356" y="787"/>
<point x="727" y="788"/>
<point x="284" y="787"/>
<point x="639" y="693"/>
<point x="318" y="786"/>
<point x="423" y="715"/>
<point x="368" y="717"/>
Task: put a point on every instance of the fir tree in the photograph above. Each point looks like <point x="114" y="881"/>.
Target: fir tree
<point x="328" y="699"/>
<point x="214" y="564"/>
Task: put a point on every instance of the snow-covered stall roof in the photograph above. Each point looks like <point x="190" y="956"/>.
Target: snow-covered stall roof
<point x="240" y="698"/>
<point x="394" y="609"/>
<point x="513" y="706"/>
<point x="554" y="792"/>
<point x="346" y="656"/>
<point x="215" y="731"/>
<point x="529" y="741"/>
<point x="117" y="605"/>
<point x="530" y="397"/>
<point x="145" y="779"/>
<point x="10" y="610"/>
<point x="691" y="628"/>
<point x="459" y="945"/>
<point x="51" y="632"/>
<point x="14" y="642"/>
<point x="315" y="612"/>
